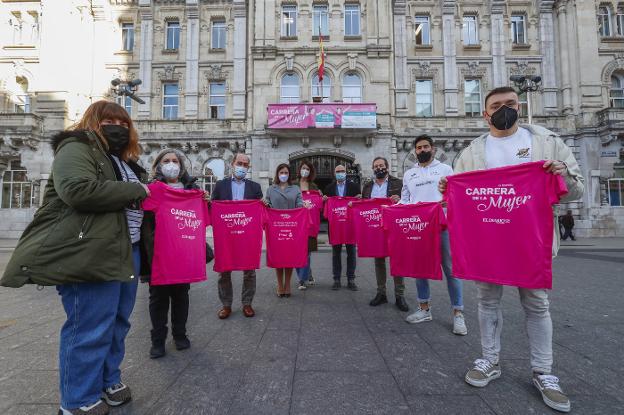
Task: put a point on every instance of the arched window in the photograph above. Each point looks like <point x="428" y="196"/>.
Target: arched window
<point x="604" y="20"/>
<point x="326" y="88"/>
<point x="289" y="89"/>
<point x="352" y="88"/>
<point x="617" y="90"/>
<point x="213" y="170"/>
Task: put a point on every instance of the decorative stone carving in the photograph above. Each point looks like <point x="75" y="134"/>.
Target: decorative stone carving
<point x="614" y="65"/>
<point x="337" y="141"/>
<point x="423" y="70"/>
<point x="352" y="60"/>
<point x="289" y="58"/>
<point x="216" y="73"/>
<point x="305" y="141"/>
<point x="274" y="142"/>
<point x="522" y="68"/>
<point x="169" y="73"/>
<point x="475" y="71"/>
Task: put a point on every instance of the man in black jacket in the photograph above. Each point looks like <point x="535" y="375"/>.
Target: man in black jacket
<point x="342" y="187"/>
<point x="237" y="188"/>
<point x="385" y="185"/>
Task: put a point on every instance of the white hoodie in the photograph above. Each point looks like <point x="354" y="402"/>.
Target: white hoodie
<point x="420" y="184"/>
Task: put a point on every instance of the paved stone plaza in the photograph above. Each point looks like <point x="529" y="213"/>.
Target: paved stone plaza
<point x="326" y="352"/>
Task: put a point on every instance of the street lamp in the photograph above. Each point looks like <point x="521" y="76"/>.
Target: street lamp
<point x="528" y="84"/>
<point x="127" y="89"/>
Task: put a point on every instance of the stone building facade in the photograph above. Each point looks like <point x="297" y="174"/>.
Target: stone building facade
<point x="212" y="69"/>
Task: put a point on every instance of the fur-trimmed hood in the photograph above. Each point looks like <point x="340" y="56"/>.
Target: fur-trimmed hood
<point x="57" y="139"/>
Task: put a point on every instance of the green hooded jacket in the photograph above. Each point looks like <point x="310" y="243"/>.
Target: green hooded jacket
<point x="80" y="232"/>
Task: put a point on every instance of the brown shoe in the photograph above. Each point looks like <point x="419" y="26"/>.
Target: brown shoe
<point x="224" y="312"/>
<point x="248" y="311"/>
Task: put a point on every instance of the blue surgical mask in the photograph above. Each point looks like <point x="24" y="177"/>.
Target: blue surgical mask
<point x="240" y="172"/>
<point x="341" y="176"/>
<point x="283" y="178"/>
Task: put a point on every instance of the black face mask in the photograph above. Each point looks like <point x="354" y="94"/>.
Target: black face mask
<point x="117" y="137"/>
<point x="381" y="173"/>
<point x="504" y="118"/>
<point x="424" y="157"/>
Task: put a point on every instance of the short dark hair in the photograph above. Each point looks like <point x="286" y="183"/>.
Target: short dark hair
<point x="310" y="166"/>
<point x="382" y="158"/>
<point x="499" y="90"/>
<point x="276" y="179"/>
<point x="423" y="137"/>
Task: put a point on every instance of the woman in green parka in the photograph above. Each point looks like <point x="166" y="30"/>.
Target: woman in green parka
<point x="84" y="239"/>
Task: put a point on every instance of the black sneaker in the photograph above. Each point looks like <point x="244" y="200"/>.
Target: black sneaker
<point x="401" y="304"/>
<point x="378" y="300"/>
<point x="351" y="285"/>
<point x="182" y="343"/>
<point x="97" y="408"/>
<point x="157" y="350"/>
<point x="336" y="285"/>
<point x="117" y="395"/>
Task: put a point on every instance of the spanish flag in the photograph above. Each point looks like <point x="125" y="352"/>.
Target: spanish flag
<point x="321" y="62"/>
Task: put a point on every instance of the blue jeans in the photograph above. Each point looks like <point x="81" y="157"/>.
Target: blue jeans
<point x="454" y="285"/>
<point x="92" y="339"/>
<point x="304" y="273"/>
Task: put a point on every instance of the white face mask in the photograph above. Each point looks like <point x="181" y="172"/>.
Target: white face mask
<point x="170" y="170"/>
<point x="305" y="172"/>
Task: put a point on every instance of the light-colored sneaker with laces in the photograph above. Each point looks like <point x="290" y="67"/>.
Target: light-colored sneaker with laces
<point x="459" y="324"/>
<point x="419" y="316"/>
<point x="117" y="395"/>
<point x="553" y="396"/>
<point x="302" y="286"/>
<point x="482" y="373"/>
<point x="311" y="281"/>
<point x="97" y="408"/>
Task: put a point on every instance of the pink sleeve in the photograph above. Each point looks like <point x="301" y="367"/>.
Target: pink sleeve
<point x="153" y="200"/>
<point x="557" y="188"/>
<point x="442" y="218"/>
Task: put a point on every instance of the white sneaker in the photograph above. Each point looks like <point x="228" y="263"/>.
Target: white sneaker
<point x="98" y="408"/>
<point x="302" y="286"/>
<point x="311" y="281"/>
<point x="459" y="324"/>
<point x="482" y="373"/>
<point x="419" y="316"/>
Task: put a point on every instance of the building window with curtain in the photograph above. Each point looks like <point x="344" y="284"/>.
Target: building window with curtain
<point x="518" y="30"/>
<point x="320" y="20"/>
<point x="422" y="30"/>
<point x="217" y="100"/>
<point x="326" y="88"/>
<point x="472" y="97"/>
<point x="470" y="30"/>
<point x="218" y="35"/>
<point x="289" y="89"/>
<point x="424" y="98"/>
<point x="616" y="94"/>
<point x="352" y="20"/>
<point x="604" y="21"/>
<point x="173" y="35"/>
<point x="170" y="101"/>
<point x="352" y="88"/>
<point x="127" y="36"/>
<point x="289" y="21"/>
<point x="126" y="102"/>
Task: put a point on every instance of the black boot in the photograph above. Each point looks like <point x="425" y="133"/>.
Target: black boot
<point x="378" y="300"/>
<point x="401" y="304"/>
<point x="157" y="350"/>
<point x="182" y="343"/>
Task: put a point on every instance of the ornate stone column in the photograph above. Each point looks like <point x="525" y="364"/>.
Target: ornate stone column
<point x="499" y="73"/>
<point x="564" y="69"/>
<point x="547" y="44"/>
<point x="450" y="60"/>
<point x="401" y="80"/>
<point x="191" y="93"/>
<point x="239" y="79"/>
<point x="145" y="58"/>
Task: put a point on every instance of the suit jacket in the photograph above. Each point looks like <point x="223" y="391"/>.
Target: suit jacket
<point x="223" y="190"/>
<point x="395" y="186"/>
<point x="351" y="189"/>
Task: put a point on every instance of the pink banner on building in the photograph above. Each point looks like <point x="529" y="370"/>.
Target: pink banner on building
<point x="297" y="116"/>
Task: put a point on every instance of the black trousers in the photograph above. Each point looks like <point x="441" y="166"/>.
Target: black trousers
<point x="337" y="261"/>
<point x="160" y="296"/>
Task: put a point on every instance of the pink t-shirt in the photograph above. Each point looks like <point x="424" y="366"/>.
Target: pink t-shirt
<point x="315" y="198"/>
<point x="413" y="234"/>
<point x="286" y="232"/>
<point x="180" y="237"/>
<point x="369" y="234"/>
<point x="336" y="211"/>
<point x="237" y="230"/>
<point x="501" y="224"/>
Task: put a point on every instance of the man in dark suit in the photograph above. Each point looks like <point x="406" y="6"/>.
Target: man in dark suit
<point x="237" y="187"/>
<point x="385" y="185"/>
<point x="342" y="187"/>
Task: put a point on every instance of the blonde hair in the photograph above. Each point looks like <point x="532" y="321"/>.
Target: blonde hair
<point x="102" y="110"/>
